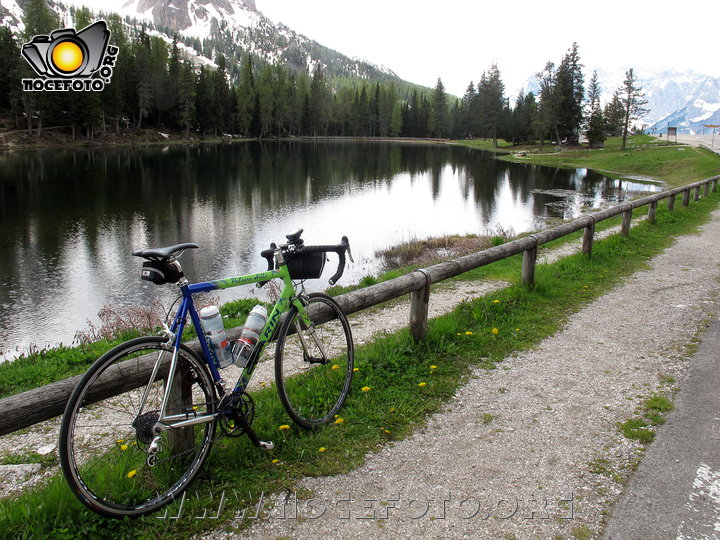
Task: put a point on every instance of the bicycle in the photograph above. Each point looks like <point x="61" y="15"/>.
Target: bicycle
<point x="140" y="423"/>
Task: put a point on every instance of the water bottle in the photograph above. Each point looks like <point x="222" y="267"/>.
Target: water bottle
<point x="249" y="335"/>
<point x="212" y="325"/>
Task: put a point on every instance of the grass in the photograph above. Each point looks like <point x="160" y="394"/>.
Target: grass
<point x="644" y="156"/>
<point x="395" y="404"/>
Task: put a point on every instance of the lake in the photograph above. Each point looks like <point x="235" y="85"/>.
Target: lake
<point x="70" y="218"/>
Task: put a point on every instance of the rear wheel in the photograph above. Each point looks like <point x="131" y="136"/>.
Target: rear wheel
<point x="314" y="362"/>
<point x="108" y="432"/>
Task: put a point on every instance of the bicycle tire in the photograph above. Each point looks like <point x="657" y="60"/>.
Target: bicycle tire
<point x="313" y="393"/>
<point x="103" y="441"/>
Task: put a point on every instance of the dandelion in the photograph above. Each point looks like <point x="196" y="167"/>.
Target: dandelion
<point x="275" y="461"/>
<point x="132" y="473"/>
<point x="124" y="447"/>
<point x="339" y="420"/>
<point x="120" y="441"/>
<point x="496" y="301"/>
<point x="422" y="384"/>
<point x="392" y="409"/>
<point x="517" y="329"/>
<point x="433" y="367"/>
<point x="366" y="389"/>
<point x="458" y="334"/>
<point x="495" y="331"/>
<point x="335" y="367"/>
<point x="355" y="369"/>
<point x="322" y="449"/>
<point x="386" y="431"/>
<point x="468" y="333"/>
<point x="284" y="427"/>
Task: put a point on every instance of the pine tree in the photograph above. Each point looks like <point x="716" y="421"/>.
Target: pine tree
<point x="318" y="102"/>
<point x="246" y="98"/>
<point x="439" y="111"/>
<point x="546" y="120"/>
<point x="492" y="102"/>
<point x="266" y="98"/>
<point x="569" y="96"/>
<point x="467" y="107"/>
<point x="186" y="95"/>
<point x="633" y="101"/>
<point x="595" y="128"/>
<point x="614" y="114"/>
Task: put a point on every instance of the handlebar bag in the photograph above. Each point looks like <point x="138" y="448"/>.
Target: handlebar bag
<point x="306" y="265"/>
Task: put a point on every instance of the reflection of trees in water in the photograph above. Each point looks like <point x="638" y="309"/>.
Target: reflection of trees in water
<point x="54" y="198"/>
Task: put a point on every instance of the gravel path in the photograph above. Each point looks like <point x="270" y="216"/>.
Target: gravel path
<point x="531" y="449"/>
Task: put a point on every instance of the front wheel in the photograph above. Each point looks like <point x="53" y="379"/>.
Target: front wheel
<point x="314" y="362"/>
<point x="113" y="457"/>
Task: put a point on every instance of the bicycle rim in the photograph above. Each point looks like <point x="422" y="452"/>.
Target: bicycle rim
<point x="314" y="364"/>
<point x="104" y="439"/>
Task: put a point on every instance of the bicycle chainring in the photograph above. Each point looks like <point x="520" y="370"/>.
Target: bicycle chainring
<point x="230" y="423"/>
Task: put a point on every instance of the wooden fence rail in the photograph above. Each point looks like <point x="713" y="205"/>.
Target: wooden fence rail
<point x="46" y="402"/>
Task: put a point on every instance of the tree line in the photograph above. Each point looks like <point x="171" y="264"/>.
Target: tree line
<point x="156" y="85"/>
<point x="560" y="111"/>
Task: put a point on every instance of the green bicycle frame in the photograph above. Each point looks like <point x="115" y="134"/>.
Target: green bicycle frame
<point x="287" y="299"/>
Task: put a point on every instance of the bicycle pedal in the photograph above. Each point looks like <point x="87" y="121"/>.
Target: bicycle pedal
<point x="269" y="445"/>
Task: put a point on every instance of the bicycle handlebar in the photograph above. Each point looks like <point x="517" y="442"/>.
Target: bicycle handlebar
<point x="340" y="249"/>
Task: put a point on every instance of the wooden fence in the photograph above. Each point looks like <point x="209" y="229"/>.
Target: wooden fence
<point x="46" y="402"/>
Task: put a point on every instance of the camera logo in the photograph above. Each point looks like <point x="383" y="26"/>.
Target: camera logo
<point x="67" y="60"/>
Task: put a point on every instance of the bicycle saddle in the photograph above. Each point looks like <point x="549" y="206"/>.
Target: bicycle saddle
<point x="164" y="253"/>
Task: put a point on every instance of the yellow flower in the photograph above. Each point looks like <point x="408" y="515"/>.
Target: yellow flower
<point x="132" y="473"/>
<point x="392" y="409"/>
<point x="366" y="389"/>
<point x="120" y="441"/>
<point x="517" y="329"/>
<point x="284" y="427"/>
<point x="386" y="430"/>
<point x="433" y="367"/>
<point x="335" y="367"/>
<point x="339" y="420"/>
<point x="322" y="449"/>
<point x="458" y="334"/>
<point x="468" y="333"/>
<point x="495" y="331"/>
<point x="124" y="447"/>
<point x="355" y="369"/>
<point x="422" y="384"/>
<point x="496" y="301"/>
<point x="274" y="461"/>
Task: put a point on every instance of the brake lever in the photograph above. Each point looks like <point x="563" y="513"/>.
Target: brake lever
<point x="347" y="247"/>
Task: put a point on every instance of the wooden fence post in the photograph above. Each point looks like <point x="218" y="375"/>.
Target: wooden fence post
<point x="714" y="186"/>
<point x="696" y="197"/>
<point x="706" y="191"/>
<point x="686" y="197"/>
<point x="181" y="400"/>
<point x="626" y="221"/>
<point x="652" y="210"/>
<point x="419" y="303"/>
<point x="588" y="235"/>
<point x="528" y="265"/>
<point x="671" y="202"/>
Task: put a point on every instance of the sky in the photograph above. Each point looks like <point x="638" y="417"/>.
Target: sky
<point x="457" y="40"/>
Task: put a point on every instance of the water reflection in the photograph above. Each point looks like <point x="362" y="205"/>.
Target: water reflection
<point x="70" y="219"/>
